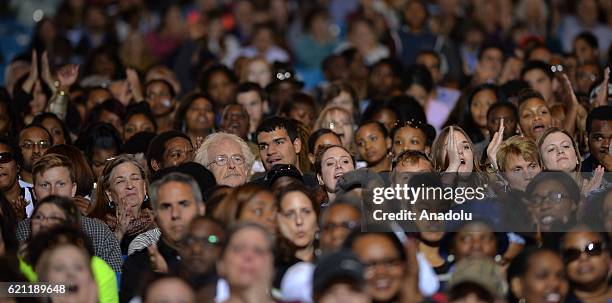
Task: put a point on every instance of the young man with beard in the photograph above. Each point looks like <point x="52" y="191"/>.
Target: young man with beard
<point x="34" y="141"/>
<point x="279" y="143"/>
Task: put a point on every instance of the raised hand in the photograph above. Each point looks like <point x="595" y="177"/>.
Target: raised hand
<point x="496" y="141"/>
<point x="28" y="84"/>
<point x="68" y="75"/>
<point x="573" y="106"/>
<point x="134" y="84"/>
<point x="602" y="94"/>
<point x="594" y="182"/>
<point x="82" y="204"/>
<point x="124" y="217"/>
<point x="452" y="152"/>
<point x="18" y="205"/>
<point x="46" y="71"/>
<point x="158" y="263"/>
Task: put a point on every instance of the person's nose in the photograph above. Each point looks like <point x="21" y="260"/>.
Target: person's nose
<point x="175" y="213"/>
<point x="299" y="219"/>
<point x="606" y="143"/>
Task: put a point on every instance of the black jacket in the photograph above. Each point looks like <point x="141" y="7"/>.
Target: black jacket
<point x="137" y="269"/>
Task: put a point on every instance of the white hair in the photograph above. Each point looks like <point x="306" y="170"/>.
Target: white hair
<point x="201" y="155"/>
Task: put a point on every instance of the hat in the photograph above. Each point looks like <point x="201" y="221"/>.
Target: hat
<point x="282" y="170"/>
<point x="481" y="271"/>
<point x="339" y="265"/>
<point x="297" y="283"/>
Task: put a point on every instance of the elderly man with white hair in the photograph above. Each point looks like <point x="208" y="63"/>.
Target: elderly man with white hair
<point x="228" y="157"/>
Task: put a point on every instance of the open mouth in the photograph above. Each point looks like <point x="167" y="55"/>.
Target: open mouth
<point x="547" y="220"/>
<point x="462" y="161"/>
<point x="538" y="127"/>
<point x="273" y="161"/>
<point x="553" y="297"/>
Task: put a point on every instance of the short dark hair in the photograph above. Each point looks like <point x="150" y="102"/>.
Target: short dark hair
<point x="165" y="82"/>
<point x="316" y="135"/>
<point x="589" y="38"/>
<point x="157" y="147"/>
<point x="489" y="46"/>
<point x="141" y="108"/>
<point x="273" y="123"/>
<point x="298" y="98"/>
<point x="38" y="120"/>
<point x="417" y="74"/>
<point x="603" y="113"/>
<point x="395" y="65"/>
<point x="110" y="105"/>
<point x="536" y="64"/>
<point x="181" y="112"/>
<point x="31" y="125"/>
<point x="246" y="87"/>
<point x="412" y="155"/>
<point x="206" y="74"/>
<point x="527" y="94"/>
<point x="502" y="104"/>
<point x="99" y="136"/>
<point x="565" y="179"/>
<point x="379" y="125"/>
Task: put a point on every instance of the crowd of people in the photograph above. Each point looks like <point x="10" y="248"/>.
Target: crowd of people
<point x="225" y="151"/>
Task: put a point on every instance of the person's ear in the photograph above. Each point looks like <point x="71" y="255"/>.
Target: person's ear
<point x="74" y="189"/>
<point x="297" y="145"/>
<point x="155" y="165"/>
<point x="201" y="209"/>
<point x="516" y="287"/>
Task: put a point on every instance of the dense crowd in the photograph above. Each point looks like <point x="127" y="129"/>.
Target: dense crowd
<point x="228" y="151"/>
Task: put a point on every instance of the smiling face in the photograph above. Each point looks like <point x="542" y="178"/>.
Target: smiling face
<point x="200" y="116"/>
<point x="127" y="185"/>
<point x="558" y="153"/>
<point x="373" y="146"/>
<point x="384" y="268"/>
<point x="409" y="138"/>
<point x="534" y="118"/>
<point x="297" y="220"/>
<point x="474" y="240"/>
<point x="544" y="280"/>
<point x="335" y="162"/>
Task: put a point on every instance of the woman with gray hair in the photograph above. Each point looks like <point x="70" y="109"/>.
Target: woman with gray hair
<point x="228" y="157"/>
<point x="121" y="199"/>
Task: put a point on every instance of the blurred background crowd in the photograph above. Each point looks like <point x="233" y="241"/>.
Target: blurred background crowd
<point x="221" y="151"/>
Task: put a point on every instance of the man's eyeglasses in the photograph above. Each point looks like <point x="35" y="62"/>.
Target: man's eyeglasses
<point x="44" y="144"/>
<point x="222" y="160"/>
<point x="6" y="157"/>
<point x="592" y="249"/>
